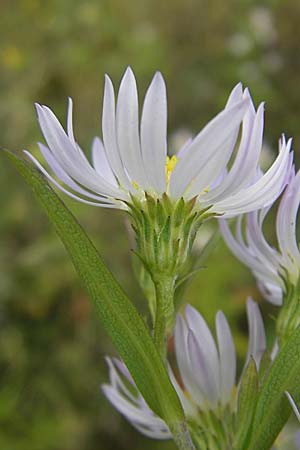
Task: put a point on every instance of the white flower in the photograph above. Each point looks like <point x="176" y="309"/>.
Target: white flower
<point x="207" y="369"/>
<point x="272" y="268"/>
<point x="132" y="160"/>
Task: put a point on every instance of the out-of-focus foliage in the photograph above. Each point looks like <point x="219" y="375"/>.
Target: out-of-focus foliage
<point x="51" y="346"/>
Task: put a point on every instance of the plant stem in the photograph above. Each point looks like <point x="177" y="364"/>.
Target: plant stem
<point x="182" y="436"/>
<point x="164" y="315"/>
<point x="288" y="318"/>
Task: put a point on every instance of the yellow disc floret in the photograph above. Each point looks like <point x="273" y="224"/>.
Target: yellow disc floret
<point x="170" y="164"/>
<point x="135" y="185"/>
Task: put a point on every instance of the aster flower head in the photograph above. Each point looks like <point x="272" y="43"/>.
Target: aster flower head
<point x="207" y="386"/>
<point x="132" y="160"/>
<point x="276" y="270"/>
<point x="273" y="268"/>
<point x="167" y="197"/>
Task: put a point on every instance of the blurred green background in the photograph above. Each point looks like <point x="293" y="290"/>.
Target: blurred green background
<point x="51" y="345"/>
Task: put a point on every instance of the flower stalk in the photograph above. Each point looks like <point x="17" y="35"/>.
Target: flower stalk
<point x="164" y="317"/>
<point x="165" y="231"/>
<point x="182" y="437"/>
<point x="289" y="316"/>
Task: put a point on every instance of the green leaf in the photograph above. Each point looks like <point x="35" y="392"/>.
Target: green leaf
<point x="273" y="409"/>
<point x="247" y="399"/>
<point x="121" y="320"/>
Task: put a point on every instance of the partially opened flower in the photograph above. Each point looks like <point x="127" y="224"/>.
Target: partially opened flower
<point x="277" y="270"/>
<point x="207" y="368"/>
<point x="274" y="269"/>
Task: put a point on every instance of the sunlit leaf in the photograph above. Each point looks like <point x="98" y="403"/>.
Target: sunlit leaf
<point x="273" y="409"/>
<point x="120" y="318"/>
<point x="247" y="399"/>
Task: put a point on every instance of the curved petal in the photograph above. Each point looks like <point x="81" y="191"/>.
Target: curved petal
<point x="206" y="343"/>
<point x="103" y="202"/>
<point x="257" y="337"/>
<point x="101" y="163"/>
<point x="128" y="130"/>
<point x="188" y="407"/>
<point x="71" y="160"/>
<point x="61" y="174"/>
<point x="130" y="411"/>
<point x="262" y="192"/>
<point x="154" y="133"/>
<point x="183" y="361"/>
<point x="227" y="357"/>
<point x="245" y="164"/>
<point x="206" y="147"/>
<point x="286" y="224"/>
<point x="246" y="254"/>
<point x="110" y="134"/>
<point x="206" y="379"/>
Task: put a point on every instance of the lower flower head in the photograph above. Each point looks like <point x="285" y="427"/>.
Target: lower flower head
<point x="207" y="372"/>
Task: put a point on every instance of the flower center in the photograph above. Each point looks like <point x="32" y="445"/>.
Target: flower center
<point x="170" y="165"/>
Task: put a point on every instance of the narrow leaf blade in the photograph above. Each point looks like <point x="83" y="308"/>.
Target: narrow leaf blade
<point x="273" y="409"/>
<point x="248" y="393"/>
<point x="117" y="313"/>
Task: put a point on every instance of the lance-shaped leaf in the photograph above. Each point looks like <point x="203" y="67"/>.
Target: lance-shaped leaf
<point x="119" y="316"/>
<point x="247" y="399"/>
<point x="273" y="409"/>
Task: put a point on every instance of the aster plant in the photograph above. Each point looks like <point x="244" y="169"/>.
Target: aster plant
<point x="198" y="401"/>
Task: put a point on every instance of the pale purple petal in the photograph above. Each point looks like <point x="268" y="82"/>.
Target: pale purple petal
<point x="104" y="203"/>
<point x="286" y="224"/>
<point x="131" y="412"/>
<point x="100" y="162"/>
<point x="257" y="337"/>
<point x="117" y="382"/>
<point x="189" y="378"/>
<point x="70" y="121"/>
<point x="70" y="159"/>
<point x="203" y="334"/>
<point x="157" y="431"/>
<point x="128" y="130"/>
<point x="245" y="164"/>
<point x="62" y="175"/>
<point x="263" y="192"/>
<point x="227" y="357"/>
<point x="154" y="133"/>
<point x="271" y="292"/>
<point x="206" y="343"/>
<point x="206" y="379"/>
<point x="110" y="134"/>
<point x="217" y="163"/>
<point x="132" y="405"/>
<point x="188" y="407"/>
<point x="206" y="146"/>
<point x="245" y="253"/>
